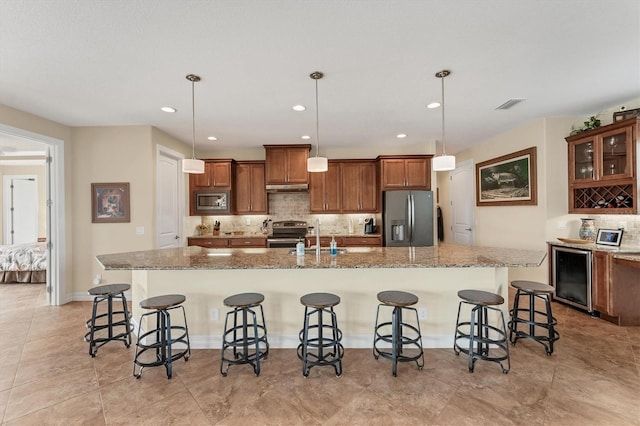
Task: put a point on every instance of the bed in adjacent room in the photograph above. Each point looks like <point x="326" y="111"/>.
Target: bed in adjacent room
<point x="23" y="263"/>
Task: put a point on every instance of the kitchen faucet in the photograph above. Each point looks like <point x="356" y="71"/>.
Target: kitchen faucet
<point x="318" y="237"/>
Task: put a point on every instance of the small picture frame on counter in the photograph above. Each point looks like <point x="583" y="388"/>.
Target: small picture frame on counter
<point x="609" y="237"/>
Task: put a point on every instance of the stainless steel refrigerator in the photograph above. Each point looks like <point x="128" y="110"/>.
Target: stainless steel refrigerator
<point x="408" y="218"/>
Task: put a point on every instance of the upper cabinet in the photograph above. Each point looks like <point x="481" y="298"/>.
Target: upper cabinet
<point x="217" y="174"/>
<point x="286" y="164"/>
<point x="405" y="172"/>
<point x="325" y="190"/>
<point x="602" y="163"/>
<point x="359" y="186"/>
<point x="249" y="189"/>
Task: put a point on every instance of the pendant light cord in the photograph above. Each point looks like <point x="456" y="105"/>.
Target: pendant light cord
<point x="193" y="119"/>
<point x="317" y="123"/>
<point x="444" y="149"/>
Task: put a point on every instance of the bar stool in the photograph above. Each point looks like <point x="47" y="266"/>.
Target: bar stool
<point x="162" y="339"/>
<point x="533" y="290"/>
<point x="399" y="301"/>
<point x="480" y="329"/>
<point x="313" y="340"/>
<point x="248" y="340"/>
<point x="108" y="293"/>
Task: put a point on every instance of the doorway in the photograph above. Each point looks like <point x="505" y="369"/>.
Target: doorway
<point x="55" y="209"/>
<point x="20" y="208"/>
<point x="462" y="203"/>
<point x="170" y="195"/>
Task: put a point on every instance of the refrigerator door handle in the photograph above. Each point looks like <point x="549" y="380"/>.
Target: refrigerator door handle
<point x="411" y="217"/>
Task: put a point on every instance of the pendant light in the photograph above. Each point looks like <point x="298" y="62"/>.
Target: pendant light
<point x="193" y="165"/>
<point x="443" y="162"/>
<point x="317" y="164"/>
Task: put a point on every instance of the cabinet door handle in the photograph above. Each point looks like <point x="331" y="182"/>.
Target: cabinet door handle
<point x="177" y="237"/>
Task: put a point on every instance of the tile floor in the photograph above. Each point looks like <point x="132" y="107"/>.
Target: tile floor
<point x="48" y="378"/>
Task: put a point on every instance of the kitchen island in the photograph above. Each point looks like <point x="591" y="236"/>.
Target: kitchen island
<point x="207" y="276"/>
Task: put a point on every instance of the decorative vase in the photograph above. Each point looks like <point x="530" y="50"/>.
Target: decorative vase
<point x="587" y="230"/>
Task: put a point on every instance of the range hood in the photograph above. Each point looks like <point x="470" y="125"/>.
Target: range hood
<point x="299" y="187"/>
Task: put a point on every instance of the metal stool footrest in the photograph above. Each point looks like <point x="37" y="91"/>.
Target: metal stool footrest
<point x="398" y="339"/>
<point x="479" y="335"/>
<point x="550" y="335"/>
<point x="311" y="350"/>
<point x="122" y="335"/>
<point x="162" y="341"/>
<point x="245" y="348"/>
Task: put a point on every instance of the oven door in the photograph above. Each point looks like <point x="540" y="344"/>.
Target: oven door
<point x="282" y="242"/>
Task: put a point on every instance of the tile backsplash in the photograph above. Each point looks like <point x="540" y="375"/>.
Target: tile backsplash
<point x="287" y="206"/>
<point x="631" y="223"/>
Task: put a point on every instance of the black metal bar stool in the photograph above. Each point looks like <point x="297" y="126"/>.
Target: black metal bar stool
<point x="481" y="333"/>
<point x="533" y="290"/>
<point x="317" y="348"/>
<point x="162" y="339"/>
<point x="247" y="340"/>
<point x="116" y="323"/>
<point x="398" y="336"/>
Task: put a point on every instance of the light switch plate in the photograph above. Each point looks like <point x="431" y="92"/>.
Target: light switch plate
<point x="139" y="230"/>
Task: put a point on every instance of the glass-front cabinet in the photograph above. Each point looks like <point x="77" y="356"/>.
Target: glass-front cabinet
<point x="602" y="171"/>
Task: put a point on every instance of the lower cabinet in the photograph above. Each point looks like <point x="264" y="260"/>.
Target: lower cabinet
<point x="227" y="242"/>
<point x="615" y="289"/>
<point x="601" y="280"/>
<point x="362" y="241"/>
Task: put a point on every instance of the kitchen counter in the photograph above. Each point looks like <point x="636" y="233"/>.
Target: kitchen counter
<point x="443" y="256"/>
<point x="624" y="248"/>
<point x="207" y="276"/>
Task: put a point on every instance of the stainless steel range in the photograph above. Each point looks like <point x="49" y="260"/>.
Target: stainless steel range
<point x="286" y="233"/>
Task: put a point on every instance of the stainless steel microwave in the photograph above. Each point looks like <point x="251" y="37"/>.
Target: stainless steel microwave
<point x="212" y="202"/>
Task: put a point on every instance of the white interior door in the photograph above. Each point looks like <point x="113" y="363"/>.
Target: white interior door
<point x="170" y="196"/>
<point x="462" y="203"/>
<point x="20" y="209"/>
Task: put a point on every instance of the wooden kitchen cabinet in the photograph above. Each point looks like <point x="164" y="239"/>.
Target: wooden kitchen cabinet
<point x="355" y="241"/>
<point x="208" y="242"/>
<point x="249" y="190"/>
<point x="602" y="175"/>
<point x="359" y="186"/>
<point x="406" y="172"/>
<point x="286" y="164"/>
<point x="362" y="241"/>
<point x="601" y="273"/>
<point x="217" y="174"/>
<point x="325" y="190"/>
<point x="253" y="242"/>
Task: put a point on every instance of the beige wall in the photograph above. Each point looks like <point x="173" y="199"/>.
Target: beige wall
<point x="32" y="123"/>
<point x="39" y="172"/>
<point x="529" y="226"/>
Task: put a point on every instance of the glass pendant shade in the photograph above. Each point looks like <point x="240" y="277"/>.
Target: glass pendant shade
<point x="317" y="164"/>
<point x="443" y="163"/>
<point x="192" y="165"/>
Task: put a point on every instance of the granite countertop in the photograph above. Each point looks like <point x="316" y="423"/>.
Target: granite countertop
<point x="443" y="256"/>
<point x="261" y="235"/>
<point x="624" y="248"/>
<point x="628" y="256"/>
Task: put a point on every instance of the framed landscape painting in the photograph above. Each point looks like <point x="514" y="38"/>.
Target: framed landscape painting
<point x="509" y="180"/>
<point x="110" y="202"/>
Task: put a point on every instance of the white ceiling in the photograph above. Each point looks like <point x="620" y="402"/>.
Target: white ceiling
<point x="103" y="63"/>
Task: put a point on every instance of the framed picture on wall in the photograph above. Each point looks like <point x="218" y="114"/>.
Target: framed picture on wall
<point x="509" y="180"/>
<point x="110" y="202"/>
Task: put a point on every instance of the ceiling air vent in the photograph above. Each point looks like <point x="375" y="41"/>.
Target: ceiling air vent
<point x="510" y="103"/>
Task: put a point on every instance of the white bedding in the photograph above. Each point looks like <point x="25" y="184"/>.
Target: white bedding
<point x="23" y="257"/>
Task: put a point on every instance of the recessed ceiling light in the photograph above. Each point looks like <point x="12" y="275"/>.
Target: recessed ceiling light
<point x="168" y="109"/>
<point x="299" y="107"/>
<point x="433" y="105"/>
<point x="212" y="138"/>
<point x="305" y="137"/>
<point x="401" y="135"/>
